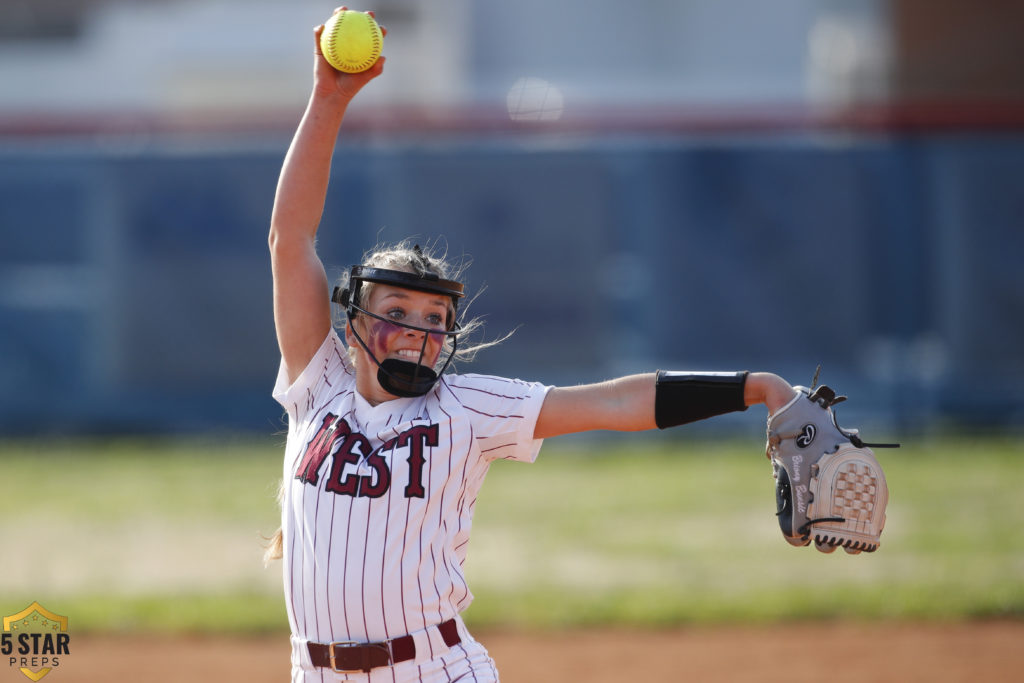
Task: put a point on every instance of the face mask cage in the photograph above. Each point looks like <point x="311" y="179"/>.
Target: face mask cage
<point x="401" y="377"/>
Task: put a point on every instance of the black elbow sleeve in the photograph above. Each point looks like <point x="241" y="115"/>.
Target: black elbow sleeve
<point x="683" y="397"/>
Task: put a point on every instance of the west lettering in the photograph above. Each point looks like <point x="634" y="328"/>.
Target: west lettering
<point x="355" y="451"/>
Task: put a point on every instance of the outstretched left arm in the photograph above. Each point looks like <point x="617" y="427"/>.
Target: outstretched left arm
<point x="627" y="404"/>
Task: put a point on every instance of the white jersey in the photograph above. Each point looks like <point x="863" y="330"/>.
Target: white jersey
<point x="378" y="500"/>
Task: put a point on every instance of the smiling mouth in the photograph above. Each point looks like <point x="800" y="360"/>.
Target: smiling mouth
<point x="408" y="353"/>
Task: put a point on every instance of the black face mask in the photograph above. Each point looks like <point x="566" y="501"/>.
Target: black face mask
<point x="401" y="377"/>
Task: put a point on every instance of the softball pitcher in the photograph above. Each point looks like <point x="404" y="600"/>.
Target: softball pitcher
<point x="386" y="453"/>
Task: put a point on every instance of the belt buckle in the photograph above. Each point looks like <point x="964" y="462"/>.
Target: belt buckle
<point x="330" y="652"/>
<point x="365" y="668"/>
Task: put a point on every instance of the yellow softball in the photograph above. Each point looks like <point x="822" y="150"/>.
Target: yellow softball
<point x="351" y="41"/>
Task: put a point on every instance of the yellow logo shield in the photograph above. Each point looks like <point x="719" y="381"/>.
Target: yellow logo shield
<point x="34" y="640"/>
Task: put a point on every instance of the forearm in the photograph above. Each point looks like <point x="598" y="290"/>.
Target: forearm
<point x="636" y="402"/>
<point x="625" y="404"/>
<point x="684" y="397"/>
<point x="302" y="186"/>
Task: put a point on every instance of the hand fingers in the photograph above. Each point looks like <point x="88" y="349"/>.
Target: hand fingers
<point x="383" y="29"/>
<point x="317" y="32"/>
<point x="374" y="15"/>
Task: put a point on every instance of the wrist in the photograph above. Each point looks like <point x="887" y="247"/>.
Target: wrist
<point x="769" y="389"/>
<point x="326" y="94"/>
<point x="326" y="109"/>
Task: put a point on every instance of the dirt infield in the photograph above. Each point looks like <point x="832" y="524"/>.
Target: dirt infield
<point x="837" y="652"/>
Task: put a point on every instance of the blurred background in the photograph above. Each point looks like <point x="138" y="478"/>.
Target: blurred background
<point x="687" y="184"/>
<point x="684" y="184"/>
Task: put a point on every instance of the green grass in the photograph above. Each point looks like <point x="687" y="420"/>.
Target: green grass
<point x="133" y="534"/>
<point x="152" y="535"/>
<point x="685" y="534"/>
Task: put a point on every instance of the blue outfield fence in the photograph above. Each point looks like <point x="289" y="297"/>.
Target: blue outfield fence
<point x="135" y="290"/>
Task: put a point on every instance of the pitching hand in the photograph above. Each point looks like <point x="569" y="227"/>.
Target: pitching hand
<point x="329" y="81"/>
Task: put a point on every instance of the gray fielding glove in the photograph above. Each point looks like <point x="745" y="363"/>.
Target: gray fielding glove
<point x="829" y="487"/>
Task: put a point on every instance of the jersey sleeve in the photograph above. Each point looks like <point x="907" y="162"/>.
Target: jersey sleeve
<point x="317" y="381"/>
<point x="503" y="413"/>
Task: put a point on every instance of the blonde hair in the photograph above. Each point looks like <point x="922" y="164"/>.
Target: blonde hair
<point x="413" y="259"/>
<point x="274" y="550"/>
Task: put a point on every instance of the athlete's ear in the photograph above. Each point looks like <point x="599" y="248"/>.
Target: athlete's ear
<point x="351" y="339"/>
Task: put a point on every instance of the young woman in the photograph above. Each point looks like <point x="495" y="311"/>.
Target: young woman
<point x="386" y="454"/>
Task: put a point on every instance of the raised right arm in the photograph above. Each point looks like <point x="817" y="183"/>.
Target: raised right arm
<point x="302" y="314"/>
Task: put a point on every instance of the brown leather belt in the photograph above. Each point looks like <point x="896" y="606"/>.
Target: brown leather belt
<point x="350" y="656"/>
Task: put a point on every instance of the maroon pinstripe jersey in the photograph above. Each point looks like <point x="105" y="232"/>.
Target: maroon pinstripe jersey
<point x="378" y="500"/>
